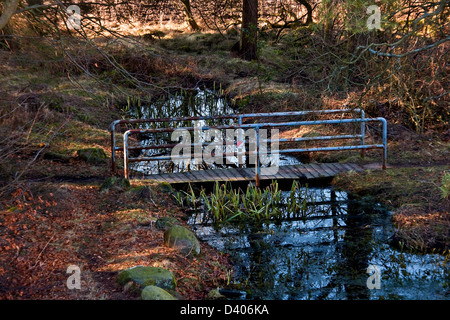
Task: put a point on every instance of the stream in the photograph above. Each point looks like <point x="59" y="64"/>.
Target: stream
<point x="339" y="251"/>
<point x="194" y="103"/>
<point x="327" y="255"/>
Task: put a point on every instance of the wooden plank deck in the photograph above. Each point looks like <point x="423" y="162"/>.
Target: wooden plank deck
<point x="310" y="171"/>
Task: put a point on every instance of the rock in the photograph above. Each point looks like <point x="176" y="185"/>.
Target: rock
<point x="92" y="155"/>
<point x="215" y="294"/>
<point x="165" y="187"/>
<point x="115" y="183"/>
<point x="165" y="223"/>
<point x="145" y="276"/>
<point x="182" y="239"/>
<point x="132" y="288"/>
<point x="156" y="293"/>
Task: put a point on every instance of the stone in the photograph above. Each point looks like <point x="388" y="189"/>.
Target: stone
<point x="115" y="183"/>
<point x="165" y="223"/>
<point x="215" y="294"/>
<point x="92" y="155"/>
<point x="145" y="276"/>
<point x="182" y="239"/>
<point x="156" y="293"/>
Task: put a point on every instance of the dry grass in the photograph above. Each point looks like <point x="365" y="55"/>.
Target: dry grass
<point x="420" y="213"/>
<point x="421" y="230"/>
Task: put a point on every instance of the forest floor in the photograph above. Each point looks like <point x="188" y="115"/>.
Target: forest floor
<point x="55" y="215"/>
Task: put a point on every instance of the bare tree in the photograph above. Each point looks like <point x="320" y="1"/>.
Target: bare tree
<point x="189" y="16"/>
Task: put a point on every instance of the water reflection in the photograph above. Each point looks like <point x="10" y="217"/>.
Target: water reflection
<point x="325" y="256"/>
<point x="353" y="253"/>
<point x="192" y="103"/>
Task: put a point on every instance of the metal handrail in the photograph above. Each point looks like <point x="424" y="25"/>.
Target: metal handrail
<point x="239" y="118"/>
<point x="258" y="126"/>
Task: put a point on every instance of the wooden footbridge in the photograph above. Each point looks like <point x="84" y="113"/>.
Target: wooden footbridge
<point x="247" y="140"/>
<point x="302" y="172"/>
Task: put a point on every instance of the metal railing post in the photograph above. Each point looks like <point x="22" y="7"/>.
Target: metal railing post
<point x="257" y="167"/>
<point x="384" y="122"/>
<point x="363" y="132"/>
<point x="113" y="147"/>
<point x="125" y="154"/>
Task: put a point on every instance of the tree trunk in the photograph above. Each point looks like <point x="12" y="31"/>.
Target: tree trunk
<point x="9" y="7"/>
<point x="249" y="32"/>
<point x="309" y="10"/>
<point x="189" y="16"/>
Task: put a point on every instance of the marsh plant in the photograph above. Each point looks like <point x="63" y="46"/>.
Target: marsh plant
<point x="445" y="185"/>
<point x="225" y="204"/>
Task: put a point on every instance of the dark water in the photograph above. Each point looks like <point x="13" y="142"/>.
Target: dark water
<point x="327" y="256"/>
<point x="193" y="103"/>
<point x="197" y="102"/>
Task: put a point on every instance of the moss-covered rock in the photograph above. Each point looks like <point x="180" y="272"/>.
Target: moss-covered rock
<point x="92" y="155"/>
<point x="148" y="276"/>
<point x="165" y="223"/>
<point x="182" y="239"/>
<point x="156" y="293"/>
<point x="115" y="183"/>
<point x="165" y="187"/>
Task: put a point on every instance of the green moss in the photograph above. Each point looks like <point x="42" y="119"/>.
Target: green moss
<point x="445" y="185"/>
<point x="156" y="293"/>
<point x="165" y="223"/>
<point x="395" y="187"/>
<point x="312" y="134"/>
<point x="146" y="276"/>
<point x="115" y="183"/>
<point x="57" y="156"/>
<point x="182" y="239"/>
<point x="92" y="155"/>
<point x="165" y="187"/>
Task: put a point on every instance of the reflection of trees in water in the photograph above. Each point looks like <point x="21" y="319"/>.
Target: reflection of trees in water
<point x="354" y="250"/>
<point x="255" y="267"/>
<point x="279" y="272"/>
<point x="190" y="103"/>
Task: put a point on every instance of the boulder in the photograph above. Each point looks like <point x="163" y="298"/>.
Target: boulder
<point x="165" y="223"/>
<point x="146" y="276"/>
<point x="182" y="239"/>
<point x="156" y="293"/>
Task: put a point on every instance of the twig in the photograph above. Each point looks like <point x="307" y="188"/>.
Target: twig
<point x="40" y="253"/>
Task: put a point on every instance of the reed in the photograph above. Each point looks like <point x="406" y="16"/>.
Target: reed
<point x="225" y="204"/>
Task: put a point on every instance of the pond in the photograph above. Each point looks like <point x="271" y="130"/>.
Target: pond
<point x="339" y="251"/>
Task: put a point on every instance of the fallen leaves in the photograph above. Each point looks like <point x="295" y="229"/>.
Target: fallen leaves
<point x="62" y="224"/>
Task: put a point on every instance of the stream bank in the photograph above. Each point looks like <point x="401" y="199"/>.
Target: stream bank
<point x="329" y="253"/>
